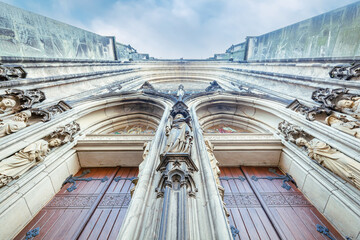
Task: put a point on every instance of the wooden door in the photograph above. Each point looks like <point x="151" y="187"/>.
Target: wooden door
<point x="262" y="206"/>
<point x="90" y="209"/>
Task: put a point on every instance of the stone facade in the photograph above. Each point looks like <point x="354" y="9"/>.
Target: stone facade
<point x="118" y="106"/>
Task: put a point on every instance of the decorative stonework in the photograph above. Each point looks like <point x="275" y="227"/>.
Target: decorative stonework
<point x="344" y="124"/>
<point x="308" y="112"/>
<point x="16" y="165"/>
<point x="15" y="123"/>
<point x="15" y="100"/>
<point x="290" y="131"/>
<point x="49" y="113"/>
<point x="346" y="71"/>
<point x="214" y="87"/>
<point x="10" y="72"/>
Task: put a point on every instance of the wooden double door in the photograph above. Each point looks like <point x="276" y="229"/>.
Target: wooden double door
<point x="90" y="206"/>
<point x="263" y="205"/>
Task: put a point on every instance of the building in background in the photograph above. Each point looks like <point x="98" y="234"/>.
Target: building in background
<point x="101" y="142"/>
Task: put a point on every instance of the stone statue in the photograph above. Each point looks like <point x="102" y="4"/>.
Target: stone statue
<point x="216" y="171"/>
<point x="15" y="100"/>
<point x="13" y="167"/>
<point x="180" y="93"/>
<point x="146" y="149"/>
<point x="16" y="123"/>
<point x="337" y="162"/>
<point x="350" y="106"/>
<point x="179" y="137"/>
<point x="344" y="125"/>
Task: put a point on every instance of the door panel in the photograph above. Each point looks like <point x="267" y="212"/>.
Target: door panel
<point x="263" y="209"/>
<point x="246" y="213"/>
<point x="94" y="210"/>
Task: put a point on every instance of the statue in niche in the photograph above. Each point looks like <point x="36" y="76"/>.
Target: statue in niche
<point x="146" y="149"/>
<point x="350" y="106"/>
<point x="15" y="100"/>
<point x="344" y="125"/>
<point x="13" y="167"/>
<point x="14" y="124"/>
<point x="16" y="165"/>
<point x="216" y="171"/>
<point x="337" y="162"/>
<point x="180" y="93"/>
<point x="179" y="137"/>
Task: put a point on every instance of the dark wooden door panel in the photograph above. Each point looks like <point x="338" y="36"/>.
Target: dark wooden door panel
<point x="94" y="210"/>
<point x="106" y="221"/>
<point x="294" y="214"/>
<point x="246" y="213"/>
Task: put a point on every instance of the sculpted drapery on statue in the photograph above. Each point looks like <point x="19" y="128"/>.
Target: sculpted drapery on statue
<point x="337" y="162"/>
<point x="178" y="131"/>
<point x="14" y="124"/>
<point x="344" y="125"/>
<point x="16" y="165"/>
<point x="13" y="167"/>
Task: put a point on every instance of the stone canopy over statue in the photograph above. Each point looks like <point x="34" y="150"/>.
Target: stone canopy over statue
<point x="179" y="130"/>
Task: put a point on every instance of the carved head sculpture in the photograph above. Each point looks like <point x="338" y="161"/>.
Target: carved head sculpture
<point x="344" y="103"/>
<point x="55" y="142"/>
<point x="22" y="116"/>
<point x="301" y="142"/>
<point x="178" y="116"/>
<point x="332" y="120"/>
<point x="7" y="102"/>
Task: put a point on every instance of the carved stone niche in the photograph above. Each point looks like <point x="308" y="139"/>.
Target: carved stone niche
<point x="15" y="100"/>
<point x="292" y="132"/>
<point x="214" y="87"/>
<point x="338" y="99"/>
<point x="9" y="72"/>
<point x="346" y="71"/>
<point x="309" y="112"/>
<point x="49" y="113"/>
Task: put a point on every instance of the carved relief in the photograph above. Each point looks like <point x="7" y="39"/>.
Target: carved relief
<point x="14" y="166"/>
<point x="338" y="99"/>
<point x="216" y="171"/>
<point x="308" y="112"/>
<point x="15" y="123"/>
<point x="9" y="72"/>
<point x="345" y="72"/>
<point x="214" y="87"/>
<point x="49" y="113"/>
<point x="147" y="87"/>
<point x="344" y="124"/>
<point x="290" y="131"/>
<point x="337" y="162"/>
<point x="15" y="100"/>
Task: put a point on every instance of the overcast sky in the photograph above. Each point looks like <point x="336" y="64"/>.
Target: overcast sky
<point x="180" y="28"/>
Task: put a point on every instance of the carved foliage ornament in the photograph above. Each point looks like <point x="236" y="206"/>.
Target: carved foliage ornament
<point x="9" y="72"/>
<point x="308" y="112"/>
<point x="48" y="113"/>
<point x="345" y="72"/>
<point x="291" y="132"/>
<point x="17" y="100"/>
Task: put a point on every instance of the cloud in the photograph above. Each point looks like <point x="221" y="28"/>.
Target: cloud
<point x="180" y="28"/>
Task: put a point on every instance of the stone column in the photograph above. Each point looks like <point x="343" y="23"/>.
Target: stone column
<point x="176" y="196"/>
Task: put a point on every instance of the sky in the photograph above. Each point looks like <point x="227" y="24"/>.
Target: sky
<point x="172" y="29"/>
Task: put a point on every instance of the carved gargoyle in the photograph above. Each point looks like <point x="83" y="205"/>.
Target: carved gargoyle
<point x="345" y="72"/>
<point x="15" y="100"/>
<point x="214" y="87"/>
<point x="48" y="113"/>
<point x="9" y="72"/>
